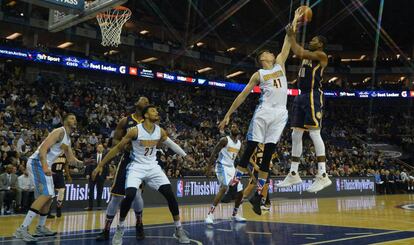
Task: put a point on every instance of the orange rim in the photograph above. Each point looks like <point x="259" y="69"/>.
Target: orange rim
<point x="120" y="8"/>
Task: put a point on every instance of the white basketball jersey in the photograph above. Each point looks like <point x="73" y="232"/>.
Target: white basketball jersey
<point x="55" y="151"/>
<point x="144" y="148"/>
<point x="273" y="86"/>
<point x="229" y="153"/>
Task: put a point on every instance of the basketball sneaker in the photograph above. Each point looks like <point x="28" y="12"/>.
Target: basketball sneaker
<point x="23" y="233"/>
<point x="209" y="219"/>
<point x="256" y="200"/>
<point x="139" y="228"/>
<point x="181" y="235"/>
<point x="238" y="218"/>
<point x="292" y="178"/>
<point x="321" y="182"/>
<point x="119" y="233"/>
<point x="43" y="231"/>
<point x="103" y="236"/>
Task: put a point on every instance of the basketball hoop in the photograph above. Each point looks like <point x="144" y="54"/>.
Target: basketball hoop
<point x="111" y="22"/>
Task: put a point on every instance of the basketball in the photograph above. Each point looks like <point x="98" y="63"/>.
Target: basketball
<point x="307" y="13"/>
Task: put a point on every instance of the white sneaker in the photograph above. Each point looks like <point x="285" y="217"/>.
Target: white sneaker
<point x="290" y="180"/>
<point x="181" y="235"/>
<point x="264" y="208"/>
<point x="209" y="219"/>
<point x="43" y="231"/>
<point x="320" y="183"/>
<point x="23" y="233"/>
<point x="238" y="218"/>
<point x="119" y="233"/>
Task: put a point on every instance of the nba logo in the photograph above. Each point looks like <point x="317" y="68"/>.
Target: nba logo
<point x="270" y="186"/>
<point x="180" y="188"/>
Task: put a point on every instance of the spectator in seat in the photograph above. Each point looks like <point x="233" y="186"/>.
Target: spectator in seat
<point x="26" y="189"/>
<point x="8" y="189"/>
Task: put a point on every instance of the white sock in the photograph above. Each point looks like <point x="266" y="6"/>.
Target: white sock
<point x="29" y="218"/>
<point x="42" y="220"/>
<point x="294" y="167"/>
<point x="321" y="168"/>
<point x="122" y="224"/>
<point x="177" y="224"/>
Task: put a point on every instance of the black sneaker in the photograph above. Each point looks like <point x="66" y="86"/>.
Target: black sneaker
<point x="50" y="216"/>
<point x="58" y="212"/>
<point x="140" y="231"/>
<point x="103" y="236"/>
<point x="255" y="200"/>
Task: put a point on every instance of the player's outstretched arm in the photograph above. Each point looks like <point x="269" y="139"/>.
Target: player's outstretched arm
<point x="132" y="134"/>
<point x="222" y="143"/>
<point x="254" y="80"/>
<point x="165" y="140"/>
<point x="302" y="53"/>
<point x="54" y="137"/>
<point x="284" y="53"/>
<point x="119" y="131"/>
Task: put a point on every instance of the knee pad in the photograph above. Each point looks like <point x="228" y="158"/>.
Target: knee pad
<point x="251" y="146"/>
<point x="130" y="193"/>
<point x="269" y="149"/>
<point x="167" y="192"/>
<point x="138" y="204"/>
<point x="316" y="137"/>
<point x="114" y="205"/>
<point x="297" y="142"/>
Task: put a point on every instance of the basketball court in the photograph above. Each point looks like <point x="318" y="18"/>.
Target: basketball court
<point x="368" y="219"/>
<point x="346" y="220"/>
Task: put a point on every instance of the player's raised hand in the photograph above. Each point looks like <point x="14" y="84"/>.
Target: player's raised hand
<point x="289" y="30"/>
<point x="97" y="171"/>
<point x="224" y="123"/>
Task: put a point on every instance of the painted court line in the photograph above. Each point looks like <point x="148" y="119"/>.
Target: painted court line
<point x="310" y="238"/>
<point x="394" y="241"/>
<point x="307" y="234"/>
<point x="356" y="237"/>
<point x="259" y="233"/>
<point x="360" y="233"/>
<point x="224" y="230"/>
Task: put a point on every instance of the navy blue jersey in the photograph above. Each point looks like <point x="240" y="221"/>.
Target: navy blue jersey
<point x="57" y="166"/>
<point x="132" y="121"/>
<point x="310" y="76"/>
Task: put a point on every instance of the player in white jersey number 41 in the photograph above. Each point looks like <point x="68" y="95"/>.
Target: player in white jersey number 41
<point x="270" y="116"/>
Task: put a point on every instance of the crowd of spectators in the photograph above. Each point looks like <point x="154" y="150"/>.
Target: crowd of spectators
<point x="31" y="109"/>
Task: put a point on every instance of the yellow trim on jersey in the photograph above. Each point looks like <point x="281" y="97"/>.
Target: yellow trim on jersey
<point x="232" y="150"/>
<point x="135" y="119"/>
<point x="149" y="143"/>
<point x="273" y="75"/>
<point x="311" y="99"/>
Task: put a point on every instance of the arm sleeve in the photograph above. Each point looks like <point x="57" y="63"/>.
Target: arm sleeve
<point x="173" y="146"/>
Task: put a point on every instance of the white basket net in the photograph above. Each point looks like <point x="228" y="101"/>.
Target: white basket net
<point x="111" y="23"/>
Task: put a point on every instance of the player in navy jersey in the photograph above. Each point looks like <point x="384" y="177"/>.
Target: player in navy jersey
<point x="118" y="187"/>
<point x="308" y="109"/>
<point x="60" y="168"/>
